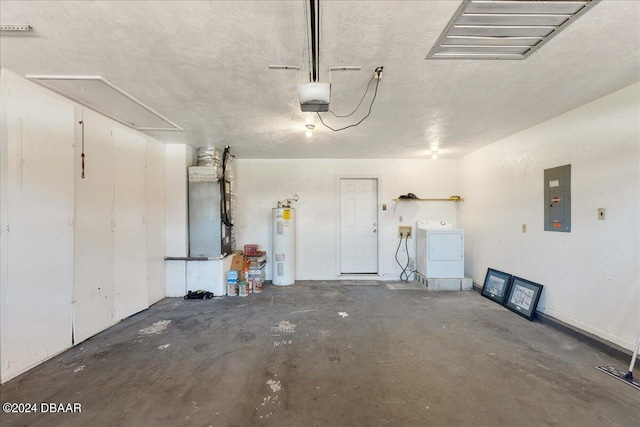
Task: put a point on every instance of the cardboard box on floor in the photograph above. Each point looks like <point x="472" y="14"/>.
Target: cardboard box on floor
<point x="238" y="262"/>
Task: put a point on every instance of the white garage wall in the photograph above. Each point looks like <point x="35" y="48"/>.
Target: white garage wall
<point x="155" y="219"/>
<point x="93" y="302"/>
<point x="178" y="158"/>
<point x="81" y="245"/>
<point x="37" y="226"/>
<point x="261" y="183"/>
<point x="134" y="268"/>
<point x="129" y="238"/>
<point x="591" y="275"/>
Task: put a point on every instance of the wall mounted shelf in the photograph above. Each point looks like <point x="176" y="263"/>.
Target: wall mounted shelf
<point x="429" y="200"/>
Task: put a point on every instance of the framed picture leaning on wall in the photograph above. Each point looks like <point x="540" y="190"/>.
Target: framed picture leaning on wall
<point x="496" y="285"/>
<point x="523" y="297"/>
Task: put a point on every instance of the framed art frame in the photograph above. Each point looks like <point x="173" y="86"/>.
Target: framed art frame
<point x="523" y="297"/>
<point x="496" y="285"/>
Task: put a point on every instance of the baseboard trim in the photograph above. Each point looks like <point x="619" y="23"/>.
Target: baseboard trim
<point x="590" y="339"/>
<point x="611" y="349"/>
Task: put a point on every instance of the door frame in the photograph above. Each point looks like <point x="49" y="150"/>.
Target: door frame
<point x="338" y="221"/>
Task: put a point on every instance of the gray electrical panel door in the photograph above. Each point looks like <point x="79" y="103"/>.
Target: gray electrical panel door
<point x="557" y="199"/>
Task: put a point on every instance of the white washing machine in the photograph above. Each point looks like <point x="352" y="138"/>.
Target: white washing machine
<point x="440" y="250"/>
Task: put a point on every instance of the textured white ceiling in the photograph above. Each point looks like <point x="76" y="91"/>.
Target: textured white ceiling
<point x="203" y="65"/>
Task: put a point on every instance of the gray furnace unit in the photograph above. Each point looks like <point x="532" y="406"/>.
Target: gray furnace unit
<point x="208" y="236"/>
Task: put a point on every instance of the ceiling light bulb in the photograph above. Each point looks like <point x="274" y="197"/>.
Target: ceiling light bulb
<point x="309" y="127"/>
<point x="434" y="154"/>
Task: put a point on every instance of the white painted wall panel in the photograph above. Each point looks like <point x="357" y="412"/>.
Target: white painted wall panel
<point x="261" y="183"/>
<point x="37" y="294"/>
<point x="4" y="274"/>
<point x="176" y="278"/>
<point x="155" y="224"/>
<point x="176" y="190"/>
<point x="591" y="275"/>
<point x="130" y="244"/>
<point x="93" y="302"/>
<point x="44" y="292"/>
<point x="178" y="158"/>
<point x="207" y="276"/>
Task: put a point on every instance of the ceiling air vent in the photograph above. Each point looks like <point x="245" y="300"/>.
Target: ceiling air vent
<point x="106" y="98"/>
<point x="499" y="29"/>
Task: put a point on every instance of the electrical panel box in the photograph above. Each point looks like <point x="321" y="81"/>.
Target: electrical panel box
<point x="557" y="199"/>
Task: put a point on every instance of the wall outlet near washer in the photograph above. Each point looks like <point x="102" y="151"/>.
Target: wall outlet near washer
<point x="404" y="231"/>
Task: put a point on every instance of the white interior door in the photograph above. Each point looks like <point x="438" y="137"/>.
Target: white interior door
<point x="358" y="226"/>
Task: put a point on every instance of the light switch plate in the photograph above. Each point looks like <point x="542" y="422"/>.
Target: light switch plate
<point x="602" y="212"/>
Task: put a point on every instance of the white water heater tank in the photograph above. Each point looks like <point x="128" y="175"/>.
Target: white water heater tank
<point x="284" y="246"/>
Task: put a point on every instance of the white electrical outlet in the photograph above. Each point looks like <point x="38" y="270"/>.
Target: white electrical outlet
<point x="404" y="231"/>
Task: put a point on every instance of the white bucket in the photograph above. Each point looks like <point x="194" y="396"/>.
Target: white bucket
<point x="257" y="286"/>
<point x="232" y="289"/>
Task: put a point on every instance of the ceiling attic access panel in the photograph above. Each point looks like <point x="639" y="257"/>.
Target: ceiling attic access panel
<point x="505" y="29"/>
<point x="106" y="98"/>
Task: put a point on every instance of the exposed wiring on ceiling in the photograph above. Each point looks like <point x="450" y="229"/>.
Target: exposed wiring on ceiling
<point x="359" y="103"/>
<point x="377" y="73"/>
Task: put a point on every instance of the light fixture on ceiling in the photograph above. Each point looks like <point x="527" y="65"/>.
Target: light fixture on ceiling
<point x="309" y="132"/>
<point x="505" y="29"/>
<point x="434" y="154"/>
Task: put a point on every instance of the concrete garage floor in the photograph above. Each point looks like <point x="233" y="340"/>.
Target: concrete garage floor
<point x="326" y="354"/>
